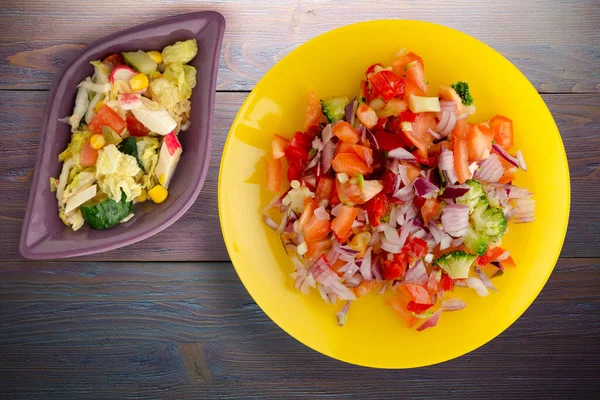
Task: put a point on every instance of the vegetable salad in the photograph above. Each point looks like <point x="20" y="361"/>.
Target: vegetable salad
<point x="124" y="146"/>
<point x="395" y="191"/>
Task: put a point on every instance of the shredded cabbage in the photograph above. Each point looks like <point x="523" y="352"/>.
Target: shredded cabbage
<point x="74" y="147"/>
<point x="184" y="76"/>
<point x="165" y="93"/>
<point x="81" y="104"/>
<point x="116" y="172"/>
<point x="180" y="52"/>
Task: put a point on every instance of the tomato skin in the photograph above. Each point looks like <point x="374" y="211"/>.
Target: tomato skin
<point x="299" y="146"/>
<point x="324" y="189"/>
<point x="274" y="178"/>
<point x="416" y="293"/>
<point x="418" y="308"/>
<point x="479" y="145"/>
<point x="315" y="229"/>
<point x="135" y="127"/>
<point x="447" y="282"/>
<point x="388" y="182"/>
<point x="313" y="111"/>
<point x="345" y="132"/>
<point x="350" y="164"/>
<point x="372" y="68"/>
<point x="114" y="60"/>
<point x="387" y="84"/>
<point x="396" y="268"/>
<point x="503" y="130"/>
<point x="388" y="141"/>
<point x="376" y="208"/>
<point x="461" y="151"/>
<point x="366" y="153"/>
<point x="278" y="145"/>
<point x="342" y="224"/>
<point x="411" y="66"/>
<point x="490" y="255"/>
<point x="317" y="249"/>
<point x="408" y="116"/>
<point x="430" y="209"/>
<point x="106" y="116"/>
<point x="88" y="155"/>
<point x="415" y="247"/>
<point x="364" y="288"/>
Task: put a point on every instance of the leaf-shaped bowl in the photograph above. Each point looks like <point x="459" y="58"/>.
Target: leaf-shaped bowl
<point x="44" y="236"/>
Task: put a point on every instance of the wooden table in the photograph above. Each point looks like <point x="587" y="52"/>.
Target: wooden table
<point x="168" y="317"/>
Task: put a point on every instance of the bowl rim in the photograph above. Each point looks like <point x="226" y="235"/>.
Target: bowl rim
<point x="229" y="242"/>
<point x="27" y="251"/>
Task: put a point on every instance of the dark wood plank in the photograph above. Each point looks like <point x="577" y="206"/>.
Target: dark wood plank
<point x="196" y="236"/>
<point x="190" y="330"/>
<point x="553" y="45"/>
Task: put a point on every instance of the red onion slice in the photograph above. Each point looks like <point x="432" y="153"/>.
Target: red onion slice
<point x="455" y="191"/>
<point x="454" y="304"/>
<point x="348" y="251"/>
<point x="322" y="214"/>
<point x="448" y="105"/>
<point x="486" y="281"/>
<point x="504" y="154"/>
<point x="446" y="165"/>
<point x="478" y="286"/>
<point x="327" y="133"/>
<point x="431" y="321"/>
<point x="444" y="117"/>
<point x="525" y="210"/>
<point x="405" y="231"/>
<point x="424" y="188"/>
<point x="350" y="111"/>
<point x="434" y="133"/>
<point x="455" y="219"/>
<point x="372" y="138"/>
<point x="271" y="224"/>
<point x="417" y="274"/>
<point x="365" y="266"/>
<point x="521" y="160"/>
<point x="342" y="315"/>
<point x="390" y="248"/>
<point x="401" y="154"/>
<point x="490" y="170"/>
<point x="327" y="155"/>
<point x="449" y="126"/>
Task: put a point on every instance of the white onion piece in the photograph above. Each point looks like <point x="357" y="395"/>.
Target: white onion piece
<point x="365" y="266"/>
<point x="335" y="211"/>
<point x="486" y="281"/>
<point x="446" y="164"/>
<point x="449" y="126"/>
<point x="454" y="304"/>
<point x="322" y="214"/>
<point x="324" y="294"/>
<point x="455" y="219"/>
<point x="431" y="321"/>
<point x="327" y="133"/>
<point x="434" y="133"/>
<point x="417" y="274"/>
<point x="272" y="224"/>
<point x="390" y="248"/>
<point x="404" y="232"/>
<point x="392" y="235"/>
<point x="327" y="155"/>
<point x="444" y="117"/>
<point x="445" y="242"/>
<point x="478" y="286"/>
<point x="490" y="170"/>
<point x="448" y="105"/>
<point x="401" y="154"/>
<point x="342" y="315"/>
<point x="525" y="210"/>
<point x="521" y="160"/>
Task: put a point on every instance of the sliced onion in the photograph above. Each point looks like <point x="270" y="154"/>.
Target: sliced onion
<point x="435" y="231"/>
<point x="404" y="193"/>
<point x="525" y="210"/>
<point x="327" y="133"/>
<point x="509" y="213"/>
<point x="424" y="188"/>
<point x="342" y="315"/>
<point x="365" y="266"/>
<point x="521" y="160"/>
<point x="327" y="155"/>
<point x="335" y="211"/>
<point x="417" y="274"/>
<point x="448" y="105"/>
<point x="315" y="160"/>
<point x="282" y="224"/>
<point x="504" y="154"/>
<point x="446" y="165"/>
<point x="401" y="154"/>
<point x="272" y="224"/>
<point x="460" y="283"/>
<point x="478" y="286"/>
<point x="434" y="133"/>
<point x="310" y="180"/>
<point x="324" y="294"/>
<point x="362" y="131"/>
<point x="390" y="248"/>
<point x="404" y="232"/>
<point x="445" y="242"/>
<point x="431" y="321"/>
<point x="350" y="111"/>
<point x="376" y="268"/>
<point x="346" y="257"/>
<point x="348" y="251"/>
<point x="490" y="170"/>
<point x="322" y="214"/>
<point x="454" y="304"/>
<point x="342" y="291"/>
<point x="449" y="126"/>
<point x="444" y="117"/>
<point x="486" y="281"/>
<point x="372" y="138"/>
<point x="455" y="191"/>
<point x="455" y="219"/>
<point x="391" y="235"/>
<point x="383" y="288"/>
<point x="432" y="281"/>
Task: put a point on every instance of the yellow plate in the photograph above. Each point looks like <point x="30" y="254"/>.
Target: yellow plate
<point x="334" y="64"/>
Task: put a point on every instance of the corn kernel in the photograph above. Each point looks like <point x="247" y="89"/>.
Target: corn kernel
<point x="158" y="194"/>
<point x="162" y="178"/>
<point x="99" y="105"/>
<point x="138" y="82"/>
<point x="142" y="197"/>
<point x="156" y="56"/>
<point x="97" y="142"/>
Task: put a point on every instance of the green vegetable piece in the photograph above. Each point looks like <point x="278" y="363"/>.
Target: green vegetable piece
<point x="103" y="213"/>
<point x="463" y="90"/>
<point x="140" y="61"/>
<point x="456" y="264"/>
<point x="52" y="184"/>
<point x="110" y="135"/>
<point x="489" y="221"/>
<point x="476" y="242"/>
<point x="361" y="181"/>
<point x="474" y="197"/>
<point x="180" y="52"/>
<point x="334" y="108"/>
<point x="129" y="146"/>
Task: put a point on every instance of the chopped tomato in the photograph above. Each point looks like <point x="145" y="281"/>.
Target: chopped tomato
<point x="273" y="174"/>
<point x="135" y="127"/>
<point x="418" y="308"/>
<point x="317" y="249"/>
<point x="508" y="177"/>
<point x="412" y="89"/>
<point x="294" y="171"/>
<point x="114" y="60"/>
<point x="461" y="152"/>
<point x="316" y="229"/>
<point x="364" y="288"/>
<point x="367" y="116"/>
<point x="412" y="172"/>
<point x="324" y="189"/>
<point x="106" y="116"/>
<point x="508" y="263"/>
<point x="88" y="155"/>
<point x="447" y="282"/>
<point x="429" y="161"/>
<point x="420" y="131"/>
<point x="389" y="141"/>
<point x="309" y="208"/>
<point x="313" y="111"/>
<point x="448" y="93"/>
<point x="387" y="84"/>
<point x="342" y="224"/>
<point x="416" y="293"/>
<point x="346" y="132"/>
<point x="503" y="130"/>
<point x="430" y="210"/>
<point x="337" y="266"/>
<point x="490" y="255"/>
<point x="411" y="66"/>
<point x="376" y="208"/>
<point x="364" y="152"/>
<point x="436" y="149"/>
<point x="372" y="68"/>
<point x="479" y="145"/>
<point x="396" y="268"/>
<point x="399" y="304"/>
<point x="388" y="182"/>
<point x="350" y="164"/>
<point x="299" y="146"/>
<point x="415" y="247"/>
<point x="279" y="144"/>
<point x="408" y="116"/>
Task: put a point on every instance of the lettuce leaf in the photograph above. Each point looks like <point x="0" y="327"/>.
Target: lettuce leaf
<point x="180" y="52"/>
<point x="116" y="172"/>
<point x="183" y="76"/>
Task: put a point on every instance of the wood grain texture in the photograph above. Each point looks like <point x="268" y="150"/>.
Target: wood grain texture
<point x="190" y="330"/>
<point x="196" y="236"/>
<point x="554" y="43"/>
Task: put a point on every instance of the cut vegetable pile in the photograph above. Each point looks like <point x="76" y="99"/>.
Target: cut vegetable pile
<point x="124" y="146"/>
<point x="394" y="191"/>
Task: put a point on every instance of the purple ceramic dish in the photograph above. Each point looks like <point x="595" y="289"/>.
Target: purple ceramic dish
<point x="44" y="236"/>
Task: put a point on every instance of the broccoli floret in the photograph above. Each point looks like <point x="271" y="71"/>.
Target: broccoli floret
<point x="334" y="108"/>
<point x="489" y="221"/>
<point x="474" y="197"/>
<point x="462" y="89"/>
<point x="476" y="242"/>
<point x="456" y="264"/>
